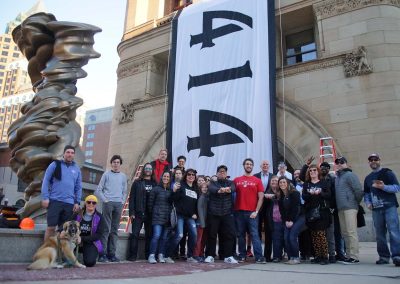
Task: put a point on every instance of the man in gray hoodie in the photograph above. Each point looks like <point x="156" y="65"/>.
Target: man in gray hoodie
<point x="112" y="191"/>
<point x="349" y="194"/>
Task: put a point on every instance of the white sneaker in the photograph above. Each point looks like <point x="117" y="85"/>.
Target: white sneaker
<point x="169" y="260"/>
<point x="152" y="259"/>
<point x="161" y="258"/>
<point x="209" y="259"/>
<point x="191" y="259"/>
<point x="231" y="260"/>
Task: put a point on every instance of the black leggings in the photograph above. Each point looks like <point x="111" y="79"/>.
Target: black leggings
<point x="90" y="254"/>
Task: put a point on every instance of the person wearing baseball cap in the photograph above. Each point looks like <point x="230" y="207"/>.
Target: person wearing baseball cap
<point x="220" y="219"/>
<point x="348" y="193"/>
<point x="380" y="188"/>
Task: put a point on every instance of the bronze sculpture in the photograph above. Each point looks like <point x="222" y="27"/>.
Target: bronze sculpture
<point x="56" y="51"/>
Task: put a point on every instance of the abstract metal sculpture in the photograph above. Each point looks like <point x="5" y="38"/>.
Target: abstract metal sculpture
<point x="56" y="51"/>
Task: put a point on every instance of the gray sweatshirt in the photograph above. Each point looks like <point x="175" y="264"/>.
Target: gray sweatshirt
<point x="112" y="187"/>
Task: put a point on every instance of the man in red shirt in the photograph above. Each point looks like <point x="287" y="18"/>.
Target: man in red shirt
<point x="160" y="165"/>
<point x="249" y="198"/>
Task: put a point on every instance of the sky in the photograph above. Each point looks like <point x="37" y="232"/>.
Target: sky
<point x="98" y="89"/>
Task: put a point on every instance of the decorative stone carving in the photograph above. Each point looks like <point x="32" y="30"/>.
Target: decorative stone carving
<point x="330" y="8"/>
<point x="127" y="112"/>
<point x="356" y="63"/>
<point x="134" y="68"/>
<point x="128" y="109"/>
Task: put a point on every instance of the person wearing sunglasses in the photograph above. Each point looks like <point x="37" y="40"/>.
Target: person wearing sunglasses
<point x="185" y="199"/>
<point x="317" y="195"/>
<point x="139" y="198"/>
<point x="92" y="227"/>
<point x="380" y="188"/>
<point x="349" y="193"/>
<point x="112" y="190"/>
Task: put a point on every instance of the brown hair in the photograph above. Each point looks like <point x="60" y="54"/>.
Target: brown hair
<point x="313" y="166"/>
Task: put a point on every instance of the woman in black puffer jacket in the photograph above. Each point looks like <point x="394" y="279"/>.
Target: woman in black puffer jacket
<point x="160" y="207"/>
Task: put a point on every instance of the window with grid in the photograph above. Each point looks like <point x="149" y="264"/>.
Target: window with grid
<point x="300" y="47"/>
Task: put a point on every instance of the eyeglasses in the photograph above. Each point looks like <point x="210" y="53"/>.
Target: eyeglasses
<point x="313" y="170"/>
<point x="340" y="162"/>
<point x="191" y="174"/>
<point x="373" y="160"/>
<point x="148" y="169"/>
<point x="91" y="202"/>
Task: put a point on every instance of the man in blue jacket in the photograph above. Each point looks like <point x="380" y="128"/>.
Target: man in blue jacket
<point x="380" y="188"/>
<point x="61" y="191"/>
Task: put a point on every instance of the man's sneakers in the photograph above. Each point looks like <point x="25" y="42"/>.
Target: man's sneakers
<point x="396" y="261"/>
<point x="293" y="260"/>
<point x="350" y="261"/>
<point x="113" y="258"/>
<point x="382" y="261"/>
<point x="241" y="259"/>
<point x="161" y="258"/>
<point x="231" y="260"/>
<point x="169" y="260"/>
<point x="261" y="260"/>
<point x="209" y="259"/>
<point x="192" y="260"/>
<point x="152" y="259"/>
<point x="103" y="258"/>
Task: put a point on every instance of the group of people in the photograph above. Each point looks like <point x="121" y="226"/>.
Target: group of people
<point x="311" y="215"/>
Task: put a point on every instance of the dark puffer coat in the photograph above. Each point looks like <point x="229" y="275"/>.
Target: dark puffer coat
<point x="220" y="204"/>
<point x="160" y="205"/>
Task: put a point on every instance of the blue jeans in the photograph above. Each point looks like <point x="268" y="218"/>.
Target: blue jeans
<point x="159" y="232"/>
<point x="386" y="219"/>
<point x="243" y="224"/>
<point x="277" y="239"/>
<point x="175" y="239"/>
<point x="292" y="237"/>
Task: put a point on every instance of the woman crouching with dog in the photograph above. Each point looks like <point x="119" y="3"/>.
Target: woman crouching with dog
<point x="91" y="226"/>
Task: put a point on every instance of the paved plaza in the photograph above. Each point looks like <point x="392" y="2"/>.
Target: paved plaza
<point x="181" y="272"/>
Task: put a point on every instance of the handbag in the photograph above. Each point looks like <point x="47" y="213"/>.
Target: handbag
<point x="360" y="217"/>
<point x="313" y="214"/>
<point x="173" y="217"/>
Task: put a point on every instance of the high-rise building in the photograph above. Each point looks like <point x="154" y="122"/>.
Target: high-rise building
<point x="15" y="84"/>
<point x="96" y="135"/>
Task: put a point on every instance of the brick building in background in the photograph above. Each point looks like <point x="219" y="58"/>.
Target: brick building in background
<point x="96" y="135"/>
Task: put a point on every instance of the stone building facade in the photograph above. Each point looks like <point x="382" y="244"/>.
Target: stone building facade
<point x="337" y="74"/>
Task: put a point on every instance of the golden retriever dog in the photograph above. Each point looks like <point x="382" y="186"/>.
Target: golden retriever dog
<point x="65" y="242"/>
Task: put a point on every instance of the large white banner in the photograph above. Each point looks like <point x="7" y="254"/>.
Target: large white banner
<point x="219" y="88"/>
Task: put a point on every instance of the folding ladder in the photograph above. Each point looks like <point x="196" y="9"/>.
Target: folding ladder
<point x="327" y="151"/>
<point x="125" y="221"/>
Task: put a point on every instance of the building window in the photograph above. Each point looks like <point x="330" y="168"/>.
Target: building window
<point x="91" y="127"/>
<point x="92" y="177"/>
<point x="89" y="144"/>
<point x="15" y="54"/>
<point x="90" y="135"/>
<point x="6" y="39"/>
<point x="300" y="47"/>
<point x="89" y="153"/>
<point x="6" y="46"/>
<point x="2" y="67"/>
<point x="5" y="53"/>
